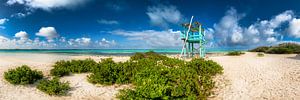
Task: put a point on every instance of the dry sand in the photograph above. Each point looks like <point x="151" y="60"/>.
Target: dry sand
<point x="249" y="77"/>
<point x="81" y="89"/>
<point x="245" y="77"/>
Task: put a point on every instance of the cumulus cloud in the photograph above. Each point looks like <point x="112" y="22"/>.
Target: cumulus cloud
<point x="3" y="39"/>
<point x="108" y="22"/>
<point x="228" y="31"/>
<point x="271" y="39"/>
<point x="163" y="15"/>
<point x="48" y="32"/>
<point x="21" y="43"/>
<point x="3" y="21"/>
<point x="106" y="43"/>
<point x="22" y="35"/>
<point x="153" y="38"/>
<point x="79" y="42"/>
<point x="47" y="4"/>
<point x="294" y="28"/>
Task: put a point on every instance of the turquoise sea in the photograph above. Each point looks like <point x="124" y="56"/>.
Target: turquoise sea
<point x="104" y="51"/>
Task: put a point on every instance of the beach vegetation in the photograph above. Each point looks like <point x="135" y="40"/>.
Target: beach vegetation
<point x="156" y="76"/>
<point x="62" y="68"/>
<point x="152" y="75"/>
<point x="260" y="49"/>
<point x="22" y="75"/>
<point x="148" y="55"/>
<point x="260" y="54"/>
<point x="53" y="86"/>
<point x="235" y="53"/>
<point x="284" y="48"/>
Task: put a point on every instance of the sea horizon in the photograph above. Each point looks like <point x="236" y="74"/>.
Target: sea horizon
<point x="110" y="51"/>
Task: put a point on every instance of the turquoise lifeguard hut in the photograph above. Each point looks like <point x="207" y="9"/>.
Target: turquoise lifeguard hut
<point x="193" y="39"/>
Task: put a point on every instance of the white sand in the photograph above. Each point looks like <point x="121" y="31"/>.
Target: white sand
<point x="248" y="77"/>
<point x="81" y="89"/>
<point x="245" y="77"/>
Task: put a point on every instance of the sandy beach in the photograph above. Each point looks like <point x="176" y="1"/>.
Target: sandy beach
<point x="245" y="77"/>
<point x="249" y="77"/>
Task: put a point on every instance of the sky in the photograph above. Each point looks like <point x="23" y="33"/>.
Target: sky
<point x="145" y="24"/>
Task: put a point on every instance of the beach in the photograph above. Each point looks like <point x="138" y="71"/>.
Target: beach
<point x="245" y="77"/>
<point x="249" y="77"/>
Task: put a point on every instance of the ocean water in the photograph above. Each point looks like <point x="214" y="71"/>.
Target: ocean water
<point x="105" y="51"/>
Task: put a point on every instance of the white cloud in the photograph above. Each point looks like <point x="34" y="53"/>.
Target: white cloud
<point x="21" y="15"/>
<point x="48" y="32"/>
<point x="3" y="39"/>
<point x="3" y="21"/>
<point x="6" y="43"/>
<point x="22" y="35"/>
<point x="79" y="42"/>
<point x="294" y="28"/>
<point x="106" y="43"/>
<point x="62" y="39"/>
<point x="48" y="4"/>
<point x="108" y="22"/>
<point x="163" y="15"/>
<point x="228" y="32"/>
<point x="152" y="38"/>
<point x="271" y="39"/>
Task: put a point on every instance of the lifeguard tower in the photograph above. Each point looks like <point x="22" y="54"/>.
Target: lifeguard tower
<point x="193" y="39"/>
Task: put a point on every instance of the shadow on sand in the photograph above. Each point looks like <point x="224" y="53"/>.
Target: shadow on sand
<point x="297" y="57"/>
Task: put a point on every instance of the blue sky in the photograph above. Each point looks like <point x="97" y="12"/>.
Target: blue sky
<point x="39" y="24"/>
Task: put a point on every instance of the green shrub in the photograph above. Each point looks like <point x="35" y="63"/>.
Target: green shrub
<point x="104" y="73"/>
<point x="284" y="48"/>
<point x="161" y="82"/>
<point x="62" y="68"/>
<point x="22" y="75"/>
<point x="260" y="54"/>
<point x="260" y="49"/>
<point x="235" y="53"/>
<point x="154" y="76"/>
<point x="54" y="86"/>
<point x="148" y="55"/>
<point x="108" y="72"/>
<point x="279" y="50"/>
<point x="137" y="56"/>
<point x="205" y="67"/>
<point x="173" y="62"/>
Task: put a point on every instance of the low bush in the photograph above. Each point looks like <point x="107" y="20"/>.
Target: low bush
<point x="154" y="76"/>
<point x="205" y="67"/>
<point x="260" y="49"/>
<point x="148" y="55"/>
<point x="62" y="68"/>
<point x="235" y="53"/>
<point x="54" y="86"/>
<point x="106" y="72"/>
<point x="260" y="54"/>
<point x="173" y="62"/>
<point x="22" y="75"/>
<point x="173" y="79"/>
<point x="284" y="48"/>
<point x="278" y="50"/>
